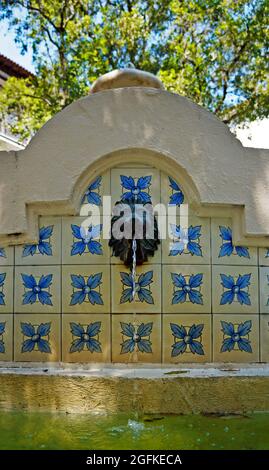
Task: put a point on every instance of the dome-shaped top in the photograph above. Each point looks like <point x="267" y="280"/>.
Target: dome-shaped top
<point x="125" y="78"/>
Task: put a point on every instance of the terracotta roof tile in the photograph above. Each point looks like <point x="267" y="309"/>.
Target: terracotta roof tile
<point x="11" y="68"/>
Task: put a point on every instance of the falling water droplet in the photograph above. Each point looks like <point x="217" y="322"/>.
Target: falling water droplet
<point x="135" y="426"/>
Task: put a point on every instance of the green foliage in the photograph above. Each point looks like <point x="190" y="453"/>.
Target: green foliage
<point x="217" y="54"/>
<point x="213" y="51"/>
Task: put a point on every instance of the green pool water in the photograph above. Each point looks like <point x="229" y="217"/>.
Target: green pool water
<point x="23" y="430"/>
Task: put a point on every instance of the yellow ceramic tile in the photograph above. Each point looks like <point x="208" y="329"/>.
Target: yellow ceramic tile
<point x="82" y="241"/>
<point x="86" y="289"/>
<point x="48" y="250"/>
<point x="6" y="337"/>
<point x="148" y="292"/>
<point x="92" y="200"/>
<point x="264" y="256"/>
<point x="235" y="338"/>
<point x="186" y="338"/>
<point x="186" y="289"/>
<point x="187" y="244"/>
<point x="147" y="190"/>
<point x="86" y="338"/>
<point x="37" y="338"/>
<point x="226" y="287"/>
<point x="7" y="256"/>
<point x="6" y="289"/>
<point x="223" y="250"/>
<point x="136" y="338"/>
<point x="37" y="289"/>
<point x="171" y="191"/>
<point x="264" y="290"/>
<point x="264" y="338"/>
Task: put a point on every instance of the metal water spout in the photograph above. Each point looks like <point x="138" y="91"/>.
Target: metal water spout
<point x="144" y="246"/>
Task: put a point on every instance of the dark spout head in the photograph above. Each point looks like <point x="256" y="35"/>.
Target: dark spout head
<point x="136" y="221"/>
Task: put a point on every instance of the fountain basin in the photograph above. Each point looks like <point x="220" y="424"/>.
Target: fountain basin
<point x="175" y="390"/>
<point x="56" y="431"/>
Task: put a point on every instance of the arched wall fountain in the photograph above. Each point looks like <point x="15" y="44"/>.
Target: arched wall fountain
<point x="73" y="296"/>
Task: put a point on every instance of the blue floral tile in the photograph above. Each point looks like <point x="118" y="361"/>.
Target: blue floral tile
<point x="147" y="298"/>
<point x="187" y="245"/>
<point x="225" y="250"/>
<point x="172" y="191"/>
<point x="86" y="338"/>
<point x="137" y="290"/>
<point x="92" y="193"/>
<point x="47" y="251"/>
<point x="6" y="337"/>
<point x="136" y="339"/>
<point x="86" y="289"/>
<point x="139" y="185"/>
<point x="92" y="198"/>
<point x="176" y="196"/>
<point x="2" y="286"/>
<point x="186" y="338"/>
<point x="37" y="289"/>
<point x="186" y="289"/>
<point x="136" y="189"/>
<point x="37" y="338"/>
<point x="7" y="256"/>
<point x="82" y="241"/>
<point x="235" y="289"/>
<point x="6" y="289"/>
<point x="236" y="338"/>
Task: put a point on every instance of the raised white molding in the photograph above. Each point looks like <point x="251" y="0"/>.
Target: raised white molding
<point x="149" y="125"/>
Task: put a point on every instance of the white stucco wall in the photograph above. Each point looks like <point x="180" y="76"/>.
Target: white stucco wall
<point x="103" y="129"/>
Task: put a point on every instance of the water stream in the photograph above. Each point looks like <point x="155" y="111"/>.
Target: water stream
<point x="134" y="355"/>
<point x="134" y="246"/>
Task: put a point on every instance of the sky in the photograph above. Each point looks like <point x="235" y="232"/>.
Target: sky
<point x="9" y="48"/>
<point x="257" y="135"/>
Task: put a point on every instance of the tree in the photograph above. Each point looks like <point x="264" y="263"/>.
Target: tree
<point x="217" y="55"/>
<point x="213" y="51"/>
